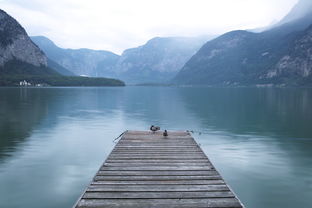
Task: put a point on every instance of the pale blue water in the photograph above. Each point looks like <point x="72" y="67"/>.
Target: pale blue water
<point x="53" y="140"/>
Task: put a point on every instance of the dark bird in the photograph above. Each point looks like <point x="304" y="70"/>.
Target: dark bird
<point x="154" y="128"/>
<point x="165" y="133"/>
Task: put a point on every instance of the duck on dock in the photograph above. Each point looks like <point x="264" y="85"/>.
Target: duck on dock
<point x="154" y="128"/>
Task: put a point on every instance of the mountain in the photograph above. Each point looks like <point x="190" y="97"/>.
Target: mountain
<point x="93" y="63"/>
<point x="295" y="66"/>
<point x="279" y="56"/>
<point x="300" y="10"/>
<point x="16" y="47"/>
<point x="18" y="54"/>
<point x="22" y="61"/>
<point x="58" y="68"/>
<point x="157" y="61"/>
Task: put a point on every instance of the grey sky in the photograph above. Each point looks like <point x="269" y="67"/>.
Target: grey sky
<point x="116" y="25"/>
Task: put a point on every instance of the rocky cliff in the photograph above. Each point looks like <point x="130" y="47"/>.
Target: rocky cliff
<point x="297" y="61"/>
<point x="16" y="45"/>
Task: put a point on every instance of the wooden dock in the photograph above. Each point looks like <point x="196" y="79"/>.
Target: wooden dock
<point x="148" y="170"/>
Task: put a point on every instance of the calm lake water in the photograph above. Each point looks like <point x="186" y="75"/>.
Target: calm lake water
<point x="53" y="140"/>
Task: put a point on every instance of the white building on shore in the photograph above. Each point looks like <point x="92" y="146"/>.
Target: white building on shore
<point x="24" y="83"/>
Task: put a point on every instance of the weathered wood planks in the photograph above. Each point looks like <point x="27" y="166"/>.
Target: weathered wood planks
<point x="149" y="170"/>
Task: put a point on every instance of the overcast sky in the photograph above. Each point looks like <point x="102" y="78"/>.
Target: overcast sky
<point x="116" y="25"/>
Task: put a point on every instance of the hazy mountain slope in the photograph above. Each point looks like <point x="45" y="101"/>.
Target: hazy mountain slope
<point x="301" y="9"/>
<point x="223" y="59"/>
<point x="158" y="60"/>
<point x="58" y="68"/>
<point x="246" y="58"/>
<point x="79" y="61"/>
<point x="16" y="46"/>
<point x="296" y="64"/>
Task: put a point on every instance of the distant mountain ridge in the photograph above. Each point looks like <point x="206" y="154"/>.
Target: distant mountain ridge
<point x="93" y="63"/>
<point x="300" y="10"/>
<point x="157" y="61"/>
<point x="279" y="56"/>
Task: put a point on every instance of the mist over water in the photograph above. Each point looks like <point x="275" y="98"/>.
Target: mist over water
<point x="53" y="140"/>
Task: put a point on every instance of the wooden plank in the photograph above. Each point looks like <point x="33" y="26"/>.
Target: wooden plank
<point x="162" y="155"/>
<point x="149" y="170"/>
<point x="154" y="140"/>
<point x="146" y="188"/>
<point x="158" y="195"/>
<point x="109" y="160"/>
<point x="161" y="203"/>
<point x="151" y="147"/>
<point x="155" y="178"/>
<point x="181" y="153"/>
<point x="157" y="157"/>
<point x="159" y="151"/>
<point x="174" y="182"/>
<point x="156" y="173"/>
<point x="170" y="140"/>
<point x="154" y="146"/>
<point x="156" y="143"/>
<point x="160" y="165"/>
<point x="173" y="151"/>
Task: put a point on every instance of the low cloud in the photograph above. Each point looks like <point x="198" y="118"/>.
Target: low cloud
<point x="116" y="25"/>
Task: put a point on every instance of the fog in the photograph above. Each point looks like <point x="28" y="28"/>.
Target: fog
<point x="116" y="25"/>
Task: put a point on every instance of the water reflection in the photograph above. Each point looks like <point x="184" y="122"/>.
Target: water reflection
<point x="20" y="111"/>
<point x="268" y="111"/>
<point x="260" y="139"/>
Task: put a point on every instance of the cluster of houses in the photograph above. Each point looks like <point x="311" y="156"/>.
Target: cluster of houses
<point x="24" y="83"/>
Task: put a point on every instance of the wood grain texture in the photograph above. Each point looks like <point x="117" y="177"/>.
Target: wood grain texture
<point x="146" y="169"/>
